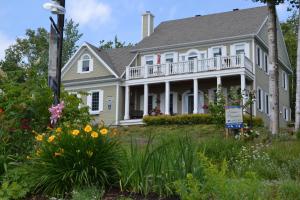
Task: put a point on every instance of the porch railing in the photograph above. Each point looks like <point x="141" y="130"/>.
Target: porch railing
<point x="190" y="66"/>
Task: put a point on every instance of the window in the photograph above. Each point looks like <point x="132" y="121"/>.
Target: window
<point x="217" y="52"/>
<point x="266" y="65"/>
<point x="285" y="114"/>
<point x="149" y="60"/>
<point x="284" y="80"/>
<point x="95" y="101"/>
<point x="192" y="56"/>
<point x="267" y="104"/>
<point x="258" y="56"/>
<point x="239" y="49"/>
<point x="260" y="99"/>
<point x="169" y="58"/>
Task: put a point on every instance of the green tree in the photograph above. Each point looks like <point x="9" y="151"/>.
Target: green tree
<point x="113" y="44"/>
<point x="289" y="30"/>
<point x="33" y="49"/>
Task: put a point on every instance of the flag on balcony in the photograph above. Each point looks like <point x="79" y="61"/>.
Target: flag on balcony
<point x="158" y="59"/>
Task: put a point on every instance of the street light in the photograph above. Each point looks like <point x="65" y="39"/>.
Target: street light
<point x="54" y="7"/>
<point x="55" y="46"/>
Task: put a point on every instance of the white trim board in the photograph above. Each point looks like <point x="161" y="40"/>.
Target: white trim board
<point x="67" y="65"/>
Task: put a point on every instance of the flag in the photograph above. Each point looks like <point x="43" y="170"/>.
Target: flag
<point x="52" y="65"/>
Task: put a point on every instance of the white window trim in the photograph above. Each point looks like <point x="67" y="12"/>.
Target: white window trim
<point x="89" y="101"/>
<point x="261" y="99"/>
<point x="265" y="103"/>
<point x="285" y="112"/>
<point x="284" y="80"/>
<point x="260" y="56"/>
<point x="80" y="64"/>
<point x="153" y="59"/>
<point x="266" y="55"/>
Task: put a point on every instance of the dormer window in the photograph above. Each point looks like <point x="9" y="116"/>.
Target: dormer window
<point x="85" y="64"/>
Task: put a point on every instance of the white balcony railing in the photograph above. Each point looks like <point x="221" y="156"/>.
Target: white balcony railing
<point x="191" y="66"/>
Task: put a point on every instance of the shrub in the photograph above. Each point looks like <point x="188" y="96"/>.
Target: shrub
<point x="289" y="190"/>
<point x="298" y="135"/>
<point x="178" y="119"/>
<point x="191" y="119"/>
<point x="257" y="121"/>
<point x="68" y="158"/>
<point x="89" y="193"/>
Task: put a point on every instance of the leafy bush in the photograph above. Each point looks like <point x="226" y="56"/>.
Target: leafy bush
<point x="67" y="158"/>
<point x="178" y="119"/>
<point x="256" y="121"/>
<point x="289" y="190"/>
<point x="17" y="183"/>
<point x="218" y="149"/>
<point x="156" y="167"/>
<point x="298" y="135"/>
<point x="191" y="119"/>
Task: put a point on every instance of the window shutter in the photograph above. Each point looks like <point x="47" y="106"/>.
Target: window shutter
<point x="101" y="100"/>
<point x="142" y="103"/>
<point x="91" y="65"/>
<point x="247" y="50"/>
<point x="162" y="102"/>
<point x="175" y="102"/>
<point x="232" y="50"/>
<point x="224" y="51"/>
<point x="210" y="53"/>
<point x="89" y="101"/>
<point x="79" y="66"/>
<point x="175" y="57"/>
<point x="143" y="60"/>
<point x="162" y="58"/>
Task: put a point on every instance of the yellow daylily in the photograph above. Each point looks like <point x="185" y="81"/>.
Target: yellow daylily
<point x="89" y="153"/>
<point x="94" y="134"/>
<point x="103" y="131"/>
<point x="75" y="132"/>
<point x="58" y="130"/>
<point x="51" y="138"/>
<point x="39" y="137"/>
<point x="88" y="128"/>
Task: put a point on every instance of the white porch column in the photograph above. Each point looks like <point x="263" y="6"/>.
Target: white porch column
<point x="127" y="102"/>
<point x="243" y="87"/>
<point x="219" y="82"/>
<point x="195" y="111"/>
<point x="167" y="99"/>
<point x="146" y="91"/>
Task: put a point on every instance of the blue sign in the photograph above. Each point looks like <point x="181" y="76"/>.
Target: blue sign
<point x="234" y="117"/>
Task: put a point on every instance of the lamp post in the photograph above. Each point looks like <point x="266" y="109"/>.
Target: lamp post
<point x="55" y="61"/>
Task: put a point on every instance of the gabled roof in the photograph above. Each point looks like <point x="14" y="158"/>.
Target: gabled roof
<point x="207" y="27"/>
<point x="116" y="59"/>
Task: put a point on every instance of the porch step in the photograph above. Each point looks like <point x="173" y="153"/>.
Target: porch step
<point x="131" y="122"/>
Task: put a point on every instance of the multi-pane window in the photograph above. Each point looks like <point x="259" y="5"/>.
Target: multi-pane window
<point x="267" y="104"/>
<point x="260" y="99"/>
<point x="266" y="65"/>
<point x="239" y="49"/>
<point x="217" y="51"/>
<point x="258" y="55"/>
<point x="86" y="63"/>
<point x="284" y="80"/>
<point x="95" y="101"/>
<point x="169" y="58"/>
<point x="149" y="60"/>
<point x="285" y="113"/>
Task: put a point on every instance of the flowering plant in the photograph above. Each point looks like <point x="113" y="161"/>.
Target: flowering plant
<point x="72" y="156"/>
<point x="56" y="112"/>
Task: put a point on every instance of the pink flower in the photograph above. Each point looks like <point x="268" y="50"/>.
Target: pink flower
<point x="56" y="112"/>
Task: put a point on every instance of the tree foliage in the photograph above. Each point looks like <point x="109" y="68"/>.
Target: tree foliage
<point x="289" y="30"/>
<point x="113" y="44"/>
<point x="33" y="49"/>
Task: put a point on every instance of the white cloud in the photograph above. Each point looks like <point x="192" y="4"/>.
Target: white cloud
<point x="88" y="12"/>
<point x="5" y="42"/>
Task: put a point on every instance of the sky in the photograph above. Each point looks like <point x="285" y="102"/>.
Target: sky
<point x="103" y="19"/>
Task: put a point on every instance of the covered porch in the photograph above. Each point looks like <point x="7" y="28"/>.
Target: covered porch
<point x="179" y="97"/>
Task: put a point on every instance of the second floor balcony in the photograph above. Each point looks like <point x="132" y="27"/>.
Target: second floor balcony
<point x="190" y="66"/>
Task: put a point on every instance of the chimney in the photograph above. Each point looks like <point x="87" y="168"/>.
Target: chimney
<point x="147" y="24"/>
<point x="235" y="9"/>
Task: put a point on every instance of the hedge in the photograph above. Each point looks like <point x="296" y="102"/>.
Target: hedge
<point x="191" y="119"/>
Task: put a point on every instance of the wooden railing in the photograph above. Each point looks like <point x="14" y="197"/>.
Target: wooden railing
<point x="190" y="66"/>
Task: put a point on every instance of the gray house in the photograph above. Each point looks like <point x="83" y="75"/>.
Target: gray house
<point x="177" y="67"/>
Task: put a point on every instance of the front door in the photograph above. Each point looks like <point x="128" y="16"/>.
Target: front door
<point x="190" y="104"/>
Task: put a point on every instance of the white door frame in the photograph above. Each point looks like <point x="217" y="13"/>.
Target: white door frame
<point x="185" y="95"/>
